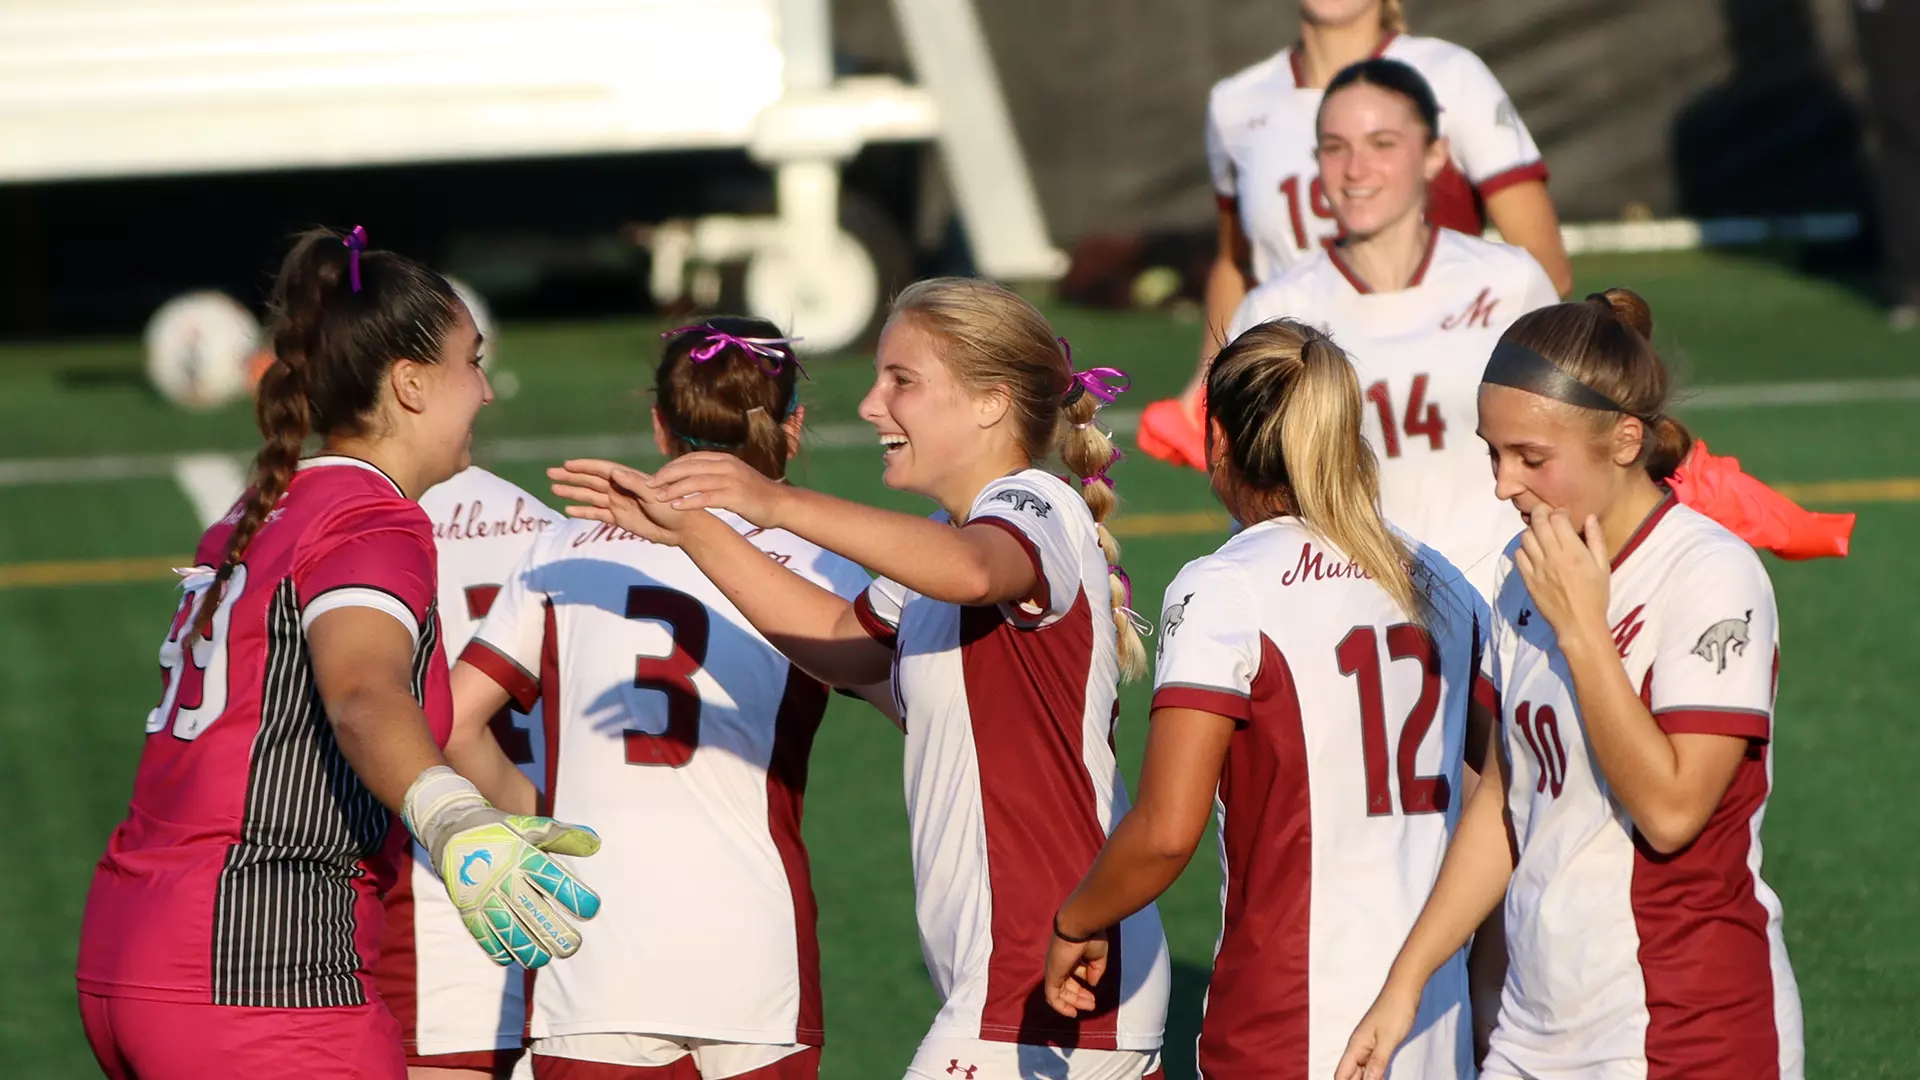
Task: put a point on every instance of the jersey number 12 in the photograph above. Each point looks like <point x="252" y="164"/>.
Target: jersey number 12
<point x="1359" y="655"/>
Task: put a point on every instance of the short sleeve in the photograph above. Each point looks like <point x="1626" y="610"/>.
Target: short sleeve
<point x="506" y="647"/>
<point x="1209" y="643"/>
<point x="1219" y="162"/>
<point x="1492" y="143"/>
<point x="1538" y="290"/>
<point x="878" y="608"/>
<point x="1028" y="510"/>
<point x="1715" y="662"/>
<point x="378" y="555"/>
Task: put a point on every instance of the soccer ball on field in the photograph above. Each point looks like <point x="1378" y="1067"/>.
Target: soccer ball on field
<point x="198" y="350"/>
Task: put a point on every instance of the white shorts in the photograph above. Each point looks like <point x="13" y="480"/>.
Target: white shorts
<point x="715" y="1060"/>
<point x="979" y="1059"/>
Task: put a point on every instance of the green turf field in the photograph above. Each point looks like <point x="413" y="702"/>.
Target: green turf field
<point x="77" y="659"/>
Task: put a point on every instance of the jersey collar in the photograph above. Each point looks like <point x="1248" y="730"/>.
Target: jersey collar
<point x="325" y="460"/>
<point x="1300" y="73"/>
<point x="1360" y="284"/>
<point x="1644" y="529"/>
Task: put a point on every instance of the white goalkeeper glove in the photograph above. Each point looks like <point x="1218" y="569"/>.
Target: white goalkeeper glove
<point x="497" y="871"/>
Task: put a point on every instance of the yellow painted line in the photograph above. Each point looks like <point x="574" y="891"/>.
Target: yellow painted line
<point x="89" y="571"/>
<point x="1175" y="523"/>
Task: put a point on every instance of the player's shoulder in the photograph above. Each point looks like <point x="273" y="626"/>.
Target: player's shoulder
<point x="1512" y="268"/>
<point x="475" y="483"/>
<point x="1252" y="89"/>
<point x="1445" y="65"/>
<point x="802" y="556"/>
<point x="1296" y="291"/>
<point x="1699" y="552"/>
<point x="342" y="496"/>
<point x="1453" y="603"/>
<point x="1034" y="493"/>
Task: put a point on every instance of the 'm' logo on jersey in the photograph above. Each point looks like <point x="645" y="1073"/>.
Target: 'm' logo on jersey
<point x="1724" y="638"/>
<point x="482" y="856"/>
<point x="1024" y="500"/>
<point x="954" y="1068"/>
<point x="1478" y="313"/>
<point x="1627" y="629"/>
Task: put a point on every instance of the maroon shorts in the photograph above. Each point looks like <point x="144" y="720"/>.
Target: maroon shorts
<point x="166" y="1040"/>
<point x="499" y="1063"/>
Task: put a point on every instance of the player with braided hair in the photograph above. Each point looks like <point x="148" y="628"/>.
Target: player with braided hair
<point x="232" y="920"/>
<point x="1004" y="625"/>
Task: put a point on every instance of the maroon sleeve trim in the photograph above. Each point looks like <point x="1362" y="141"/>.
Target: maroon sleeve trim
<point x="1226" y="204"/>
<point x="1044" y="596"/>
<point x="872" y="623"/>
<point x="1738" y="723"/>
<point x="1519" y="174"/>
<point x="519" y="684"/>
<point x="1205" y="699"/>
<point x="1484" y="693"/>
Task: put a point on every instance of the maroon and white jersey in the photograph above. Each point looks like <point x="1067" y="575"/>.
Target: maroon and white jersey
<point x="1627" y="963"/>
<point x="448" y="996"/>
<point x="682" y="736"/>
<point x="1011" y="781"/>
<point x="1261" y="139"/>
<point x="250" y="866"/>
<point x="1338" y="797"/>
<point x="1420" y="353"/>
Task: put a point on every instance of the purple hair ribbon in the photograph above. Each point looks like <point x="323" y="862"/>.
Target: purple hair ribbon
<point x="356" y="242"/>
<point x="761" y="349"/>
<point x="1140" y="623"/>
<point x="1101" y="476"/>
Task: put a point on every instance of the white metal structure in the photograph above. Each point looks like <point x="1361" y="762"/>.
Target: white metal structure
<point x="111" y="88"/>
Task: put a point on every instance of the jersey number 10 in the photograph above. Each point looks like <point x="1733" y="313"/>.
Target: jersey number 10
<point x="1359" y="655"/>
<point x="185" y="657"/>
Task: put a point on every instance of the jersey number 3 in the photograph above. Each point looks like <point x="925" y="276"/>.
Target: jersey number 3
<point x="202" y="661"/>
<point x="1359" y="655"/>
<point x="686" y="619"/>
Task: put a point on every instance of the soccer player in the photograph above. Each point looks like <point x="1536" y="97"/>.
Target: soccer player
<point x="1003" y="623"/>
<point x="1275" y="203"/>
<point x="1315" y="676"/>
<point x="233" y="917"/>
<point x="461" y="1017"/>
<point x="1633" y="664"/>
<point x="675" y="724"/>
<point x="1415" y="305"/>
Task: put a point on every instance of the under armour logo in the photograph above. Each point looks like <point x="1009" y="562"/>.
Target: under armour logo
<point x="954" y="1068"/>
<point x="1525" y="614"/>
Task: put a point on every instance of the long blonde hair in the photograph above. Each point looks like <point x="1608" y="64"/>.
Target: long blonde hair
<point x="991" y="339"/>
<point x="1288" y="402"/>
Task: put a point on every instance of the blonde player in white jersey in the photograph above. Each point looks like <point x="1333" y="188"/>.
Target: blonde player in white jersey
<point x="689" y="736"/>
<point x="462" y="1017"/>
<point x="1003" y="625"/>
<point x="1275" y="209"/>
<point x="1315" y="676"/>
<point x="1634" y="656"/>
<point x="1416" y="306"/>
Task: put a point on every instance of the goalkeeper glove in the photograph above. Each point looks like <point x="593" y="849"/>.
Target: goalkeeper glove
<point x="496" y="869"/>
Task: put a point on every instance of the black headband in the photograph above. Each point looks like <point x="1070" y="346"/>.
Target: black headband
<point x="1523" y="369"/>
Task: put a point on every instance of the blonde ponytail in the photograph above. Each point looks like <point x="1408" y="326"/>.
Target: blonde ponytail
<point x="1289" y="404"/>
<point x="1089" y="452"/>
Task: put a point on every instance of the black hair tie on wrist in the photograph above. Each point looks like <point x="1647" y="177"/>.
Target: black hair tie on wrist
<point x="1064" y="936"/>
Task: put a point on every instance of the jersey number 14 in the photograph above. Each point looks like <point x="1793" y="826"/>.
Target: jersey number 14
<point x="1421" y="419"/>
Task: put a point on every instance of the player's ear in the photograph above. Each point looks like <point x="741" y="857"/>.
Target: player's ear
<point x="408" y="379"/>
<point x="1629" y="435"/>
<point x="1439" y="152"/>
<point x="662" y="439"/>
<point x="992" y="406"/>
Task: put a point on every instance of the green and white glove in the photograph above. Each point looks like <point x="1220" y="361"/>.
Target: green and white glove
<point x="497" y="871"/>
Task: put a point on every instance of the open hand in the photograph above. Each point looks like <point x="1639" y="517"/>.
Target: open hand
<point x="1074" y="968"/>
<point x="1377" y="1036"/>
<point x="1568" y="576"/>
<point x="610" y="492"/>
<point x="698" y="481"/>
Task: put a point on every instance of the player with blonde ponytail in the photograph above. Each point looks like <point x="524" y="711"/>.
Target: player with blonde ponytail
<point x="1314" y="685"/>
<point x="1003" y="624"/>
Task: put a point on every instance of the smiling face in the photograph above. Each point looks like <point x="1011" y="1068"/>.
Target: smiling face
<point x="935" y="437"/>
<point x="1332" y="13"/>
<point x="455" y="388"/>
<point x="1548" y="454"/>
<point x="1376" y="158"/>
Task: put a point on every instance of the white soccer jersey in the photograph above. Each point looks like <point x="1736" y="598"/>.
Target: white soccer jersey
<point x="1261" y="140"/>
<point x="682" y="737"/>
<point x="449" y="998"/>
<point x="1420" y="353"/>
<point x="1011" y="781"/>
<point x="1627" y="963"/>
<point x="1339" y="794"/>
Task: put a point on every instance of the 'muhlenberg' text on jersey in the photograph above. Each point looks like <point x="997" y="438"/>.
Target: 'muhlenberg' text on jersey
<point x="1339" y="794"/>
<point x="1627" y="963"/>
<point x="1419" y="353"/>
<point x="1011" y="781"/>
<point x="682" y="736"/>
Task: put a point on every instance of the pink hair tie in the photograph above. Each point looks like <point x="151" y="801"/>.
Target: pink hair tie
<point x="356" y="242"/>
<point x="1139" y="622"/>
<point x="1101" y="477"/>
<point x="761" y="349"/>
<point x="1104" y="383"/>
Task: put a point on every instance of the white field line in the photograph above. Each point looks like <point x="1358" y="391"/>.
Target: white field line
<point x="17" y="472"/>
<point x="212" y="483"/>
